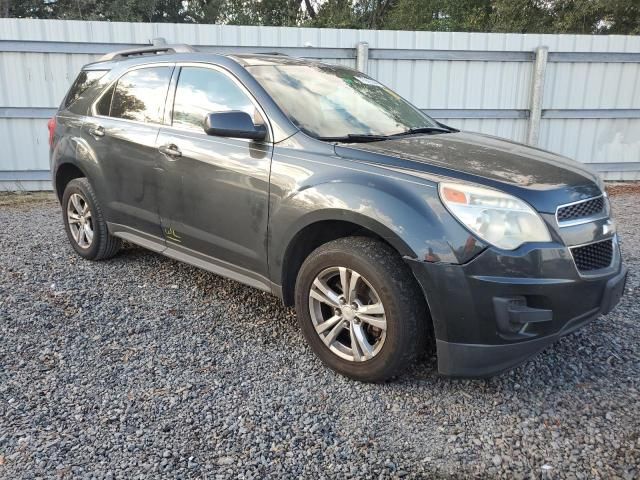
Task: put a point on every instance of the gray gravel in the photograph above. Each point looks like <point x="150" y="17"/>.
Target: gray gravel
<point x="144" y="367"/>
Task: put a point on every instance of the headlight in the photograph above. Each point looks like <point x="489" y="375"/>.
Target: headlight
<point x="497" y="218"/>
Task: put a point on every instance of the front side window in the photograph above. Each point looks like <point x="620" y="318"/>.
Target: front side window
<point x="201" y="91"/>
<point x="140" y="95"/>
<point x="326" y="101"/>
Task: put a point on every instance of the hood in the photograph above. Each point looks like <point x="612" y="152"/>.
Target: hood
<point x="542" y="178"/>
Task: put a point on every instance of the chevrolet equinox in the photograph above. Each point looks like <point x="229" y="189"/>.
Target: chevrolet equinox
<point x="314" y="182"/>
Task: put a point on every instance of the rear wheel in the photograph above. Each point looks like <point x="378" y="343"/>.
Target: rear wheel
<point x="360" y="309"/>
<point x="86" y="228"/>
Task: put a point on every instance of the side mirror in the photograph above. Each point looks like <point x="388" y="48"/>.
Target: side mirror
<point x="234" y="124"/>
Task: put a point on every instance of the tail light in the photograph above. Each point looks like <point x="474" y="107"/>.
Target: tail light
<point x="51" y="124"/>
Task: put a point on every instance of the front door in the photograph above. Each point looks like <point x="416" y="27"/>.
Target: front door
<point x="123" y="133"/>
<point x="216" y="188"/>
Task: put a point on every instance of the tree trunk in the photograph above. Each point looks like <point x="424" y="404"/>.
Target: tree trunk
<point x="378" y="13"/>
<point x="4" y="8"/>
<point x="310" y="11"/>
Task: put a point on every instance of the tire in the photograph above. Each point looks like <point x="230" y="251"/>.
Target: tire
<point x="80" y="197"/>
<point x="392" y="339"/>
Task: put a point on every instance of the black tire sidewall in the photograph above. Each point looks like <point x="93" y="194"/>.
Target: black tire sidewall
<point x="399" y="342"/>
<point x="79" y="186"/>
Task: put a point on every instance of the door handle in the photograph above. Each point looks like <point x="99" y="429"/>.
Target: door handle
<point x="97" y="131"/>
<point x="170" y="150"/>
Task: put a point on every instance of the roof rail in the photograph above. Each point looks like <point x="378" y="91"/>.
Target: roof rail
<point x="272" y="53"/>
<point x="152" y="50"/>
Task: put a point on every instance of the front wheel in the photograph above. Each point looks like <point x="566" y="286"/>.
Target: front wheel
<point x="360" y="308"/>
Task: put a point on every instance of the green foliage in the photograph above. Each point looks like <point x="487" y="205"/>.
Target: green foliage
<point x="261" y="12"/>
<point x="623" y="17"/>
<point x="114" y="10"/>
<point x="521" y="16"/>
<point x="526" y="16"/>
<point x="336" y="14"/>
<point x="441" y="15"/>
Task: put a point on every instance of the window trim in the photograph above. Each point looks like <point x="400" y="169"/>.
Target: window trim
<point x="92" y="109"/>
<point x="171" y="96"/>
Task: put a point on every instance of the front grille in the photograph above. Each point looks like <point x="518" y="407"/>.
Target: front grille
<point x="593" y="256"/>
<point x="576" y="211"/>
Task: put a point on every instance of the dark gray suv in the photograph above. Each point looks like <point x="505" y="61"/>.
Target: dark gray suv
<point x="384" y="227"/>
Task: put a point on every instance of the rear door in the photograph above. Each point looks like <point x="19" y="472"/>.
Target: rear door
<point x="122" y="133"/>
<point x="215" y="189"/>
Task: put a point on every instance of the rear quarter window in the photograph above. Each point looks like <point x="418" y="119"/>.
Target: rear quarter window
<point x="85" y="80"/>
<point x="103" y="106"/>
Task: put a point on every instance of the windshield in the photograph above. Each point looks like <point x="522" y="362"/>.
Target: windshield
<point x="333" y="102"/>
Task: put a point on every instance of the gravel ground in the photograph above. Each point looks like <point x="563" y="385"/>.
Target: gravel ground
<point x="145" y="367"/>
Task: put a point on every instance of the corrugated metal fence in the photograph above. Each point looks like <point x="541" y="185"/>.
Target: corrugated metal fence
<point x="589" y="109"/>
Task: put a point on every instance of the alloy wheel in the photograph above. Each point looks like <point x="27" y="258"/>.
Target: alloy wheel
<point x="80" y="220"/>
<point x="347" y="314"/>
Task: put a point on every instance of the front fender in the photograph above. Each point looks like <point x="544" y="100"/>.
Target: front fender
<point x="407" y="214"/>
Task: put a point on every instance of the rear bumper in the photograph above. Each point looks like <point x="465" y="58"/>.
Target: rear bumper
<point x="488" y="320"/>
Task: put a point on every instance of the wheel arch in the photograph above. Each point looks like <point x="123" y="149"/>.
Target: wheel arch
<point x="325" y="227"/>
<point x="64" y="173"/>
<point x="72" y="158"/>
<point x="407" y="216"/>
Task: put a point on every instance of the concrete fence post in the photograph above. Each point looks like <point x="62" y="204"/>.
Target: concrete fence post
<point x="362" y="56"/>
<point x="537" y="94"/>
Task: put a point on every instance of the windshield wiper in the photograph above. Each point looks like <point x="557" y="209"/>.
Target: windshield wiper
<point x="355" y="138"/>
<point x="411" y="131"/>
<point x="370" y="137"/>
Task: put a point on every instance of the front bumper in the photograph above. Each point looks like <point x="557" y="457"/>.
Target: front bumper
<point x="501" y="308"/>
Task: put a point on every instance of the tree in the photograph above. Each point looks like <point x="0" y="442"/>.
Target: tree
<point x="525" y="16"/>
<point x="441" y="15"/>
<point x="336" y="14"/>
<point x="174" y="11"/>
<point x="521" y="16"/>
<point x="621" y="17"/>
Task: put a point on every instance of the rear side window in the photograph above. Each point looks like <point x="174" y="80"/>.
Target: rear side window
<point x="139" y="95"/>
<point x="86" y="79"/>
<point x="203" y="90"/>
